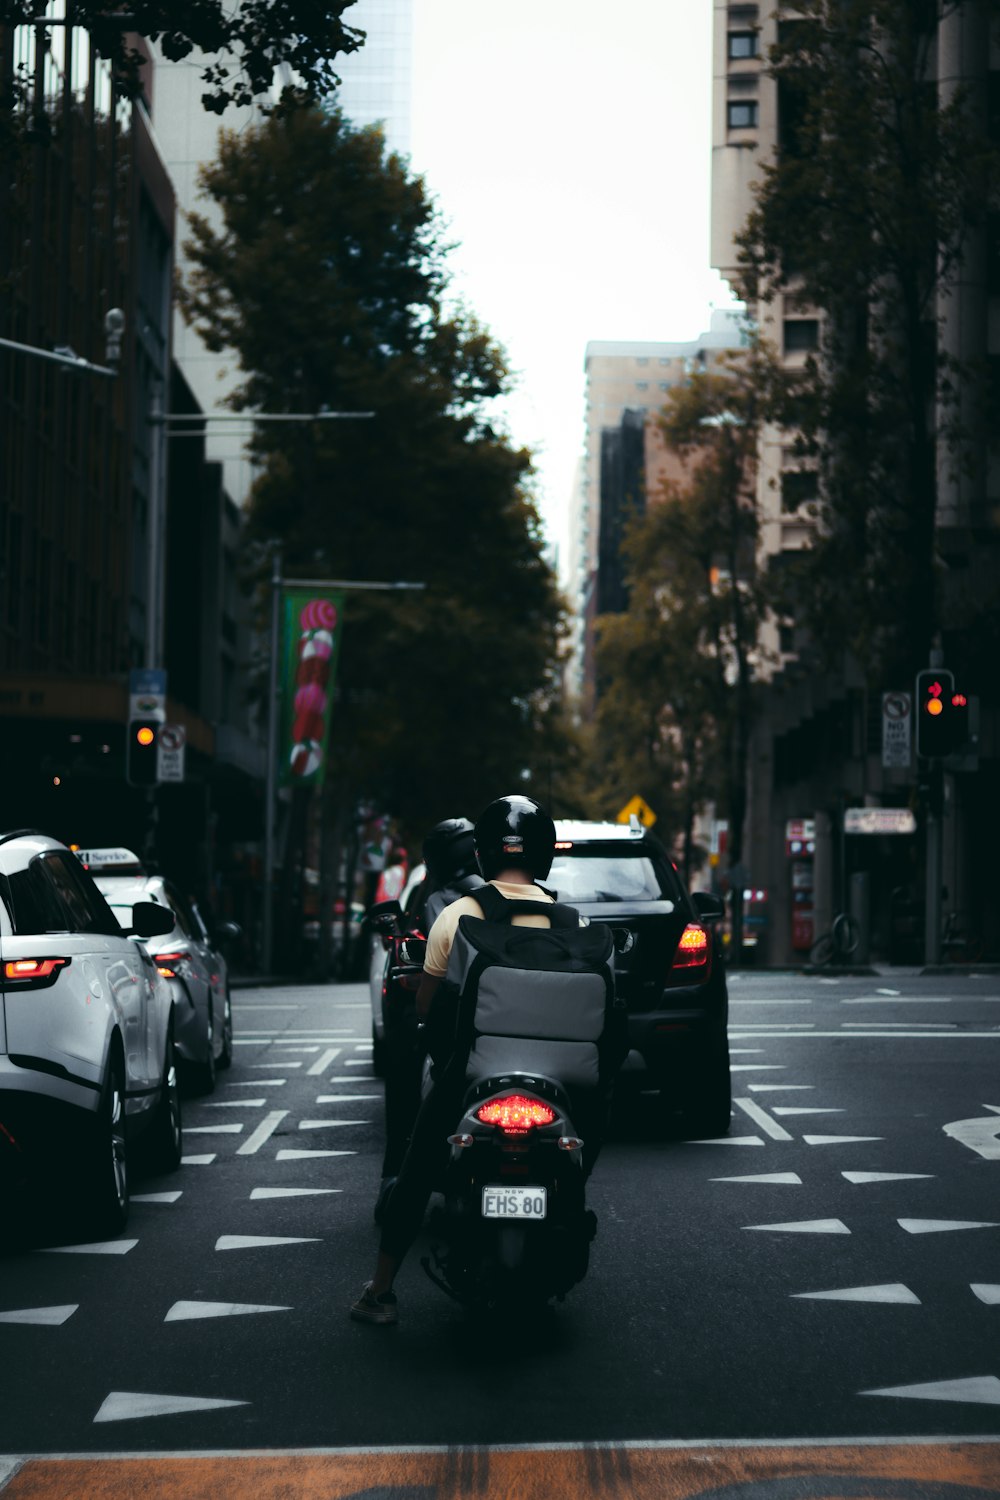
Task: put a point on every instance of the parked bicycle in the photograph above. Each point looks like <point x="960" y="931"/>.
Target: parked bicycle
<point x="837" y="945"/>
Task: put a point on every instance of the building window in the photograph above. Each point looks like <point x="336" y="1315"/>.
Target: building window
<point x="642" y="385"/>
<point x="742" y="44"/>
<point x="801" y="335"/>
<point x="741" y="114"/>
<point x="798" y="487"/>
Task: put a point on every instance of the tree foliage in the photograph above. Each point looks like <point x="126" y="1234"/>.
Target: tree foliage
<point x="676" y="670"/>
<point x="327" y="279"/>
<point x="865" y="214"/>
<point x="243" y="43"/>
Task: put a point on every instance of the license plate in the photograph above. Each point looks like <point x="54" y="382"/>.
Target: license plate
<point x="514" y="1203"/>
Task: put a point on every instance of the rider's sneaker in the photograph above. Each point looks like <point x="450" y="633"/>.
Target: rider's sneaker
<point x="372" y="1309"/>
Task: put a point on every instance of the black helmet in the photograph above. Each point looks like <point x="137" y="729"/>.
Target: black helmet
<point x="515" y="832"/>
<point x="449" y="852"/>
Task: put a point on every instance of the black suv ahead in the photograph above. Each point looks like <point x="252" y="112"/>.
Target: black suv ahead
<point x="672" y="980"/>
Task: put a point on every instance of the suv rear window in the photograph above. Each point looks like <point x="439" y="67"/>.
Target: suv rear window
<point x="609" y="872"/>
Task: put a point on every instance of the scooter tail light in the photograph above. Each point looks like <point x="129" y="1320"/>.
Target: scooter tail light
<point x="515" y="1114"/>
<point x="570" y="1143"/>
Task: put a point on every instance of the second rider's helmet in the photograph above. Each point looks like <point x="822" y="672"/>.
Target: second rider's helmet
<point x="449" y="851"/>
<point x="515" y="833"/>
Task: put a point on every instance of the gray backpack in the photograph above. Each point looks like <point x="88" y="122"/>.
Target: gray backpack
<point x="530" y="999"/>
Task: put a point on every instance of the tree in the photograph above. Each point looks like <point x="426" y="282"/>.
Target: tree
<point x="243" y="43"/>
<point x="327" y="278"/>
<point x="865" y="214"/>
<point x="676" y="671"/>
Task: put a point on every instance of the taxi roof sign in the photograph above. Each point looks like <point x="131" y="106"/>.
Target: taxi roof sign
<point x="639" y="808"/>
<point x="109" y="859"/>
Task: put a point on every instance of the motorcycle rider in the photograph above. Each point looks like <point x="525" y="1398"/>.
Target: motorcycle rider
<point x="450" y="856"/>
<point x="514" y="845"/>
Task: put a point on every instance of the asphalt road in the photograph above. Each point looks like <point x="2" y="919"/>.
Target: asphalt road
<point x="828" y="1271"/>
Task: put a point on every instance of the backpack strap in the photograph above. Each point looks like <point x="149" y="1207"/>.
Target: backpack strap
<point x="500" y="908"/>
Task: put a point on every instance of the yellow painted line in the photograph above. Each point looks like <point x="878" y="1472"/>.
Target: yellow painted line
<point x="850" y="1470"/>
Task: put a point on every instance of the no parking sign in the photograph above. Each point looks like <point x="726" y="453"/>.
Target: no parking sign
<point x="170" y="747"/>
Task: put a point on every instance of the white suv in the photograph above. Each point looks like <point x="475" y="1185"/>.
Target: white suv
<point x="86" y="1031"/>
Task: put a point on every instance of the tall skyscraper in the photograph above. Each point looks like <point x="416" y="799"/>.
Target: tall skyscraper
<point x="377" y="81"/>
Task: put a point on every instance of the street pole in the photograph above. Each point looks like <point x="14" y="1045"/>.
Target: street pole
<point x="267" y="946"/>
<point x="935" y="865"/>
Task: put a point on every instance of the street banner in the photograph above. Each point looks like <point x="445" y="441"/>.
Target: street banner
<point x="310" y="639"/>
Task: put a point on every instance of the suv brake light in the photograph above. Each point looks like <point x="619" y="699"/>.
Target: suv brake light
<point x="33" y="972"/>
<point x="515" y="1113"/>
<point x="168" y="963"/>
<point x="694" y="951"/>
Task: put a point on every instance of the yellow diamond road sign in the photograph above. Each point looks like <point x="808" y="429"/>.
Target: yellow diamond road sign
<point x="641" y="809"/>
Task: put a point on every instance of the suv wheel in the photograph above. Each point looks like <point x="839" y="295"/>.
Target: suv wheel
<point x="165" y="1133"/>
<point x="225" y="1058"/>
<point x="106" y="1171"/>
<point x="708" y="1098"/>
<point x="202" y="1075"/>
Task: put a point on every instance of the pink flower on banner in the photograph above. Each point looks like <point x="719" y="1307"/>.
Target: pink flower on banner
<point x="308" y="727"/>
<point x="320" y="643"/>
<point x="306" y="758"/>
<point x="319" y="614"/>
<point x="310" y="699"/>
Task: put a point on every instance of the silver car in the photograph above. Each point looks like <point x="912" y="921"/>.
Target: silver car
<point x="186" y="957"/>
<point x="87" y="1062"/>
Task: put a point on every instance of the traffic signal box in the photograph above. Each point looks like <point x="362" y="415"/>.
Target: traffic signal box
<point x="942" y="714"/>
<point x="141" y="752"/>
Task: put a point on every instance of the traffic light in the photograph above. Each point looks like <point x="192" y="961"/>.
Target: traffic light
<point x="942" y="714"/>
<point x="141" y="752"/>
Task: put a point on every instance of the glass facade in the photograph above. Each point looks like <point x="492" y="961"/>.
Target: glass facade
<point x="376" y="82"/>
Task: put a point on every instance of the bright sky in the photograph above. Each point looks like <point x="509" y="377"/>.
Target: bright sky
<point x="568" y="143"/>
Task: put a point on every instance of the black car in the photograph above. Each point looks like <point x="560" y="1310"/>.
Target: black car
<point x="672" y="979"/>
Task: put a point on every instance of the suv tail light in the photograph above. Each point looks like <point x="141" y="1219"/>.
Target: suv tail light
<point x="693" y="957"/>
<point x="169" y="963"/>
<point x="33" y="973"/>
<point x="515" y="1114"/>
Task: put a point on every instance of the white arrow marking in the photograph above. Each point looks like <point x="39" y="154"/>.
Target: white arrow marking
<point x="983" y="1389"/>
<point x="806" y="1226"/>
<point x="256" y="1083"/>
<point x="291" y="1192"/>
<point x="235" y="1103"/>
<point x="182" y="1311"/>
<point x="987" y="1292"/>
<point x="156" y="1197"/>
<point x="890" y="1291"/>
<point x="264" y="1131"/>
<point x="303" y="1155"/>
<point x="763" y="1119"/>
<point x="791" y="1109"/>
<point x="729" y="1140"/>
<point x="213" y="1129"/>
<point x="120" y="1406"/>
<point x="49" y="1317"/>
<point x="778" y="1088"/>
<point x="99" y="1247"/>
<point x="887" y="992"/>
<point x="981" y="1136"/>
<point x="322" y="1124"/>
<point x="791" y="1178"/>
<point x="837" y="1140"/>
<point x="343" y="1098"/>
<point x="285" y="1063"/>
<point x="295" y="1047"/>
<point x="939" y="1226"/>
<point x="198" y="1161"/>
<point x="253" y="1241"/>
<point x="883" y="1176"/>
<point x="757" y="1068"/>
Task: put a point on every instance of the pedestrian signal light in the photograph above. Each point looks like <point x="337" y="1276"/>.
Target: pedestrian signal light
<point x="141" y="752"/>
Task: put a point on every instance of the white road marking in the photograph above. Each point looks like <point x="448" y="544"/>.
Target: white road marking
<point x="987" y="1292"/>
<point x="806" y="1226"/>
<point x="984" y="1390"/>
<point x="941" y="1226"/>
<point x="980" y="1135"/>
<point x="258" y="1241"/>
<point x="284" y="1063"/>
<point x="813" y="1109"/>
<point x="99" y="1247"/>
<point x="855" y="1029"/>
<point x="354" y="1078"/>
<point x="252" y="1041"/>
<point x="859" y="1177"/>
<point x="47" y="1317"/>
<point x="763" y="1119"/>
<point x="198" y="1161"/>
<point x="264" y="1131"/>
<point x="838" y="1140"/>
<point x="156" y="1197"/>
<point x="265" y="1005"/>
<point x="771" y="1002"/>
<point x="184" y="1311"/>
<point x="296" y="1047"/>
<point x="256" y="1083"/>
<point x="121" y="1406"/>
<point x="728" y="1140"/>
<point x="344" y="1098"/>
<point x="322" y="1063"/>
<point x="303" y="1155"/>
<point x="259" y="1193"/>
<point x="883" y="999"/>
<point x="743" y="1051"/>
<point x="212" y="1130"/>
<point x="322" y="1124"/>
<point x="757" y="1067"/>
<point x="357" y="1062"/>
<point x="774" y="1088"/>
<point x="791" y="1179"/>
<point x="234" y="1103"/>
<point x="890" y="1291"/>
<point x="887" y="992"/>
